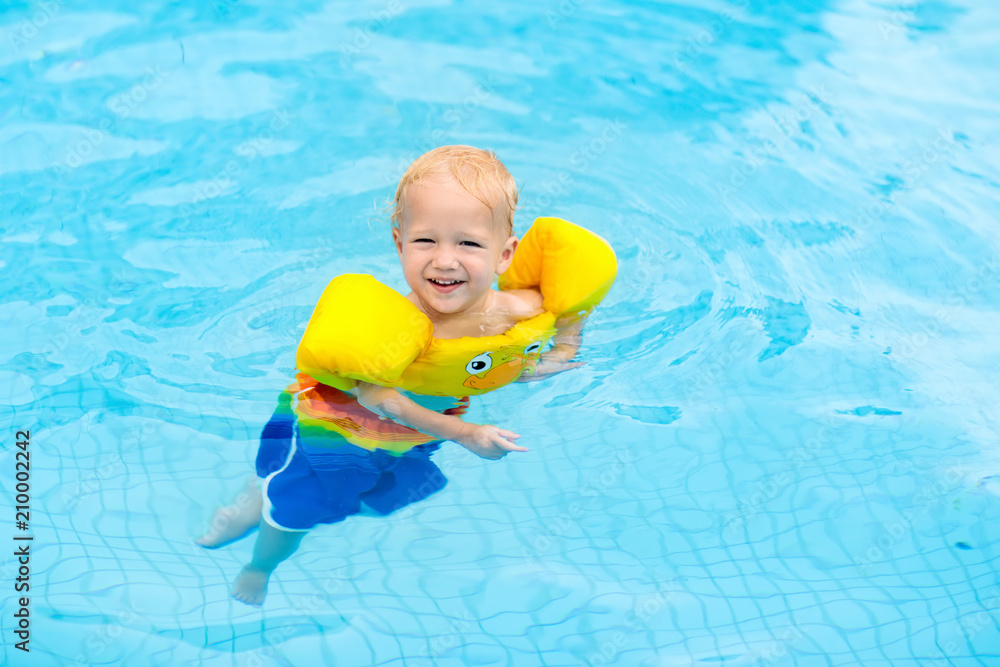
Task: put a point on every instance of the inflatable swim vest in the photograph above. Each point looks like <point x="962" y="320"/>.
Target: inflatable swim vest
<point x="364" y="330"/>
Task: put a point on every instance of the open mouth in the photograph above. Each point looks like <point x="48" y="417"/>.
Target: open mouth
<point x="445" y="286"/>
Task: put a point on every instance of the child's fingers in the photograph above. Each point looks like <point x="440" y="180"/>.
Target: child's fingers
<point x="509" y="446"/>
<point x="510" y="437"/>
<point x="569" y="365"/>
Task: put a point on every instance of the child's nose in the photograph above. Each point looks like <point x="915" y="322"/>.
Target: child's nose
<point x="445" y="258"/>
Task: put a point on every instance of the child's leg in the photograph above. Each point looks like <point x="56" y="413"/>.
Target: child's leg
<point x="272" y="547"/>
<point x="233" y="521"/>
<point x="242" y="515"/>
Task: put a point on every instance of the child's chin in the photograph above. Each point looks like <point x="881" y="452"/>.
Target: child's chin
<point x="448" y="304"/>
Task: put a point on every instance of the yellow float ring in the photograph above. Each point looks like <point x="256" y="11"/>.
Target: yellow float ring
<point x="364" y="330"/>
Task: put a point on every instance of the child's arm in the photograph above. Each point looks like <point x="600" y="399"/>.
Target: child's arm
<point x="565" y="343"/>
<point x="484" y="440"/>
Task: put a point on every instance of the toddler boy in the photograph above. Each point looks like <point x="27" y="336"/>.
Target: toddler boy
<point x="452" y="225"/>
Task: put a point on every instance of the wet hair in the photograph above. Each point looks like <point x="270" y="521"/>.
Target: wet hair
<point x="478" y="171"/>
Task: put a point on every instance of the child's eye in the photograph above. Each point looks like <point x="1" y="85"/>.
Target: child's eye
<point x="423" y="241"/>
<point x="472" y="243"/>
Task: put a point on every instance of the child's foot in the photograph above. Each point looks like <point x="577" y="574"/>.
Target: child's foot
<point x="234" y="520"/>
<point x="251" y="585"/>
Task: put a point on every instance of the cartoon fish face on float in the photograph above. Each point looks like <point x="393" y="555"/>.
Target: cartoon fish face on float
<point x="501" y="366"/>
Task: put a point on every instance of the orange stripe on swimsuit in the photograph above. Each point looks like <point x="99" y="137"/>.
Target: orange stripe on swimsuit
<point x="327" y="416"/>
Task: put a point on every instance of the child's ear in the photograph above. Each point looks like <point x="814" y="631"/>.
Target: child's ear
<point x="397" y="240"/>
<point x="507" y="254"/>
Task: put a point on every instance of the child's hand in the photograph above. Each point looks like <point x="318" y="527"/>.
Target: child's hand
<point x="546" y="368"/>
<point x="490" y="442"/>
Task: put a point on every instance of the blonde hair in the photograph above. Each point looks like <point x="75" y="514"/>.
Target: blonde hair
<point x="479" y="172"/>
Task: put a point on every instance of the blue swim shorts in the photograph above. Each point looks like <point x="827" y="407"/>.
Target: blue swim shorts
<point x="323" y="479"/>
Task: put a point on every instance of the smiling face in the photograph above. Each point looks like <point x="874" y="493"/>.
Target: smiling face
<point x="450" y="248"/>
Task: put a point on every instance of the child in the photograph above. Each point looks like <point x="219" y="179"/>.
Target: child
<point x="327" y="452"/>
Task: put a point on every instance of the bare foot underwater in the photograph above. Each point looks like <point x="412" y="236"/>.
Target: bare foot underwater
<point x="272" y="547"/>
<point x="250" y="585"/>
<point x="233" y="521"/>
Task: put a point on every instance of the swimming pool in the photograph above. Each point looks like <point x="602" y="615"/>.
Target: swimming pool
<point x="782" y="449"/>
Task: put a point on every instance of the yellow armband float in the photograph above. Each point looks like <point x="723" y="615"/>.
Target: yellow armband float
<point x="364" y="330"/>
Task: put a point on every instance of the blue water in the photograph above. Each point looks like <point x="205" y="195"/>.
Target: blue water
<point x="783" y="449"/>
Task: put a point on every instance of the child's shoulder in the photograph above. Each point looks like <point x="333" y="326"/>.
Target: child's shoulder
<point x="519" y="304"/>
